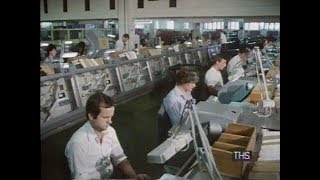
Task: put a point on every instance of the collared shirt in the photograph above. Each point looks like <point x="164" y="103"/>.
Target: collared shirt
<point x="90" y="159"/>
<point x="174" y="104"/>
<point x="121" y="46"/>
<point x="213" y="77"/>
<point x="234" y="68"/>
<point x="223" y="38"/>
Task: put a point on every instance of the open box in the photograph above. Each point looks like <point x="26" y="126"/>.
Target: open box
<point x="236" y="137"/>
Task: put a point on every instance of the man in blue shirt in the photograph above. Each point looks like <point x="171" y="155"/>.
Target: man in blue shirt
<point x="175" y="100"/>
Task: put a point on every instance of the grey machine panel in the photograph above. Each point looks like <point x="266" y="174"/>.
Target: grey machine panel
<point x="54" y="99"/>
<point x="92" y="81"/>
<point x="217" y="113"/>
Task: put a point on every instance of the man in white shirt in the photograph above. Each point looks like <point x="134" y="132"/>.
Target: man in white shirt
<point x="234" y="68"/>
<point x="213" y="78"/>
<point x="223" y="38"/>
<point x="123" y="43"/>
<point x="94" y="148"/>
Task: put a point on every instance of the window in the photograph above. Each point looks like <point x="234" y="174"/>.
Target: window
<point x="233" y="25"/>
<point x="140" y="3"/>
<point x="277" y="26"/>
<point x="186" y="25"/>
<point x="246" y="26"/>
<point x="261" y="25"/>
<point x="112" y="4"/>
<point x="45" y="6"/>
<point x="170" y="24"/>
<point x="271" y="26"/>
<point x="172" y="3"/>
<point x="213" y="25"/>
<point x="65" y="5"/>
<point x="139" y="26"/>
<point x="87" y="5"/>
<point x="156" y="24"/>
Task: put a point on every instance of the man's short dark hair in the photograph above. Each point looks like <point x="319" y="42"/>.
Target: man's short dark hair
<point x="95" y="101"/>
<point x="244" y="49"/>
<point x="215" y="58"/>
<point x="126" y="36"/>
<point x="187" y="75"/>
<point x="50" y="48"/>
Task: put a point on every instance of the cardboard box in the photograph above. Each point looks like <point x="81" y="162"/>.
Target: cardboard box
<point x="236" y="137"/>
<point x="255" y="94"/>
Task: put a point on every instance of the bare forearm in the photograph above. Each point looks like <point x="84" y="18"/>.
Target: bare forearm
<point x="213" y="90"/>
<point x="126" y="169"/>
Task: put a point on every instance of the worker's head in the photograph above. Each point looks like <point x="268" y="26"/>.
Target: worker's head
<point x="51" y="50"/>
<point x="100" y="110"/>
<point x="244" y="52"/>
<point x="125" y="37"/>
<point x="218" y="62"/>
<point x="187" y="78"/>
<point x="80" y="47"/>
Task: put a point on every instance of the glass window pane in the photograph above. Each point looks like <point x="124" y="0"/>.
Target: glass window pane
<point x="170" y="25"/>
<point x="156" y="24"/>
<point x="261" y="25"/>
<point x="214" y="25"/>
<point x="236" y="26"/>
<point x="209" y="25"/>
<point x="76" y="34"/>
<point x="266" y="26"/>
<point x="205" y="26"/>
<point x="246" y="26"/>
<point x="45" y="35"/>
<point x="218" y="25"/>
<point x="271" y="26"/>
<point x="60" y="35"/>
<point x="277" y="26"/>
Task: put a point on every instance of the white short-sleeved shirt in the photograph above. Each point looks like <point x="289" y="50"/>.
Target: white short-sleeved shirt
<point x="223" y="38"/>
<point x="90" y="159"/>
<point x="121" y="46"/>
<point x="234" y="68"/>
<point x="213" y="77"/>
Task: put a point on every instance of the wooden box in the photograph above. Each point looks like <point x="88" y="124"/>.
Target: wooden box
<point x="236" y="137"/>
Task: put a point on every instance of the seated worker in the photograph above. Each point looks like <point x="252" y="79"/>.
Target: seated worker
<point x="175" y="100"/>
<point x="234" y="68"/>
<point x="51" y="54"/>
<point x="94" y="148"/>
<point x="81" y="48"/>
<point x="213" y="78"/>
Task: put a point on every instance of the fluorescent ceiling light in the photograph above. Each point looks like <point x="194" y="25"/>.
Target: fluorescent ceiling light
<point x="69" y="54"/>
<point x="111" y="35"/>
<point x="68" y="42"/>
<point x="43" y="44"/>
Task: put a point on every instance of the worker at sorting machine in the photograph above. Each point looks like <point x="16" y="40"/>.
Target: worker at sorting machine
<point x="235" y="66"/>
<point x="94" y="148"/>
<point x="51" y="54"/>
<point x="174" y="102"/>
<point x="213" y="78"/>
<point x="123" y="43"/>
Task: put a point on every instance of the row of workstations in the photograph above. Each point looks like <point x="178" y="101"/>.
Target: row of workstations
<point x="64" y="95"/>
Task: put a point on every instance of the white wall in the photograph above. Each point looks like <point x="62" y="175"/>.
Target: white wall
<point x="204" y="8"/>
<point x="99" y="9"/>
